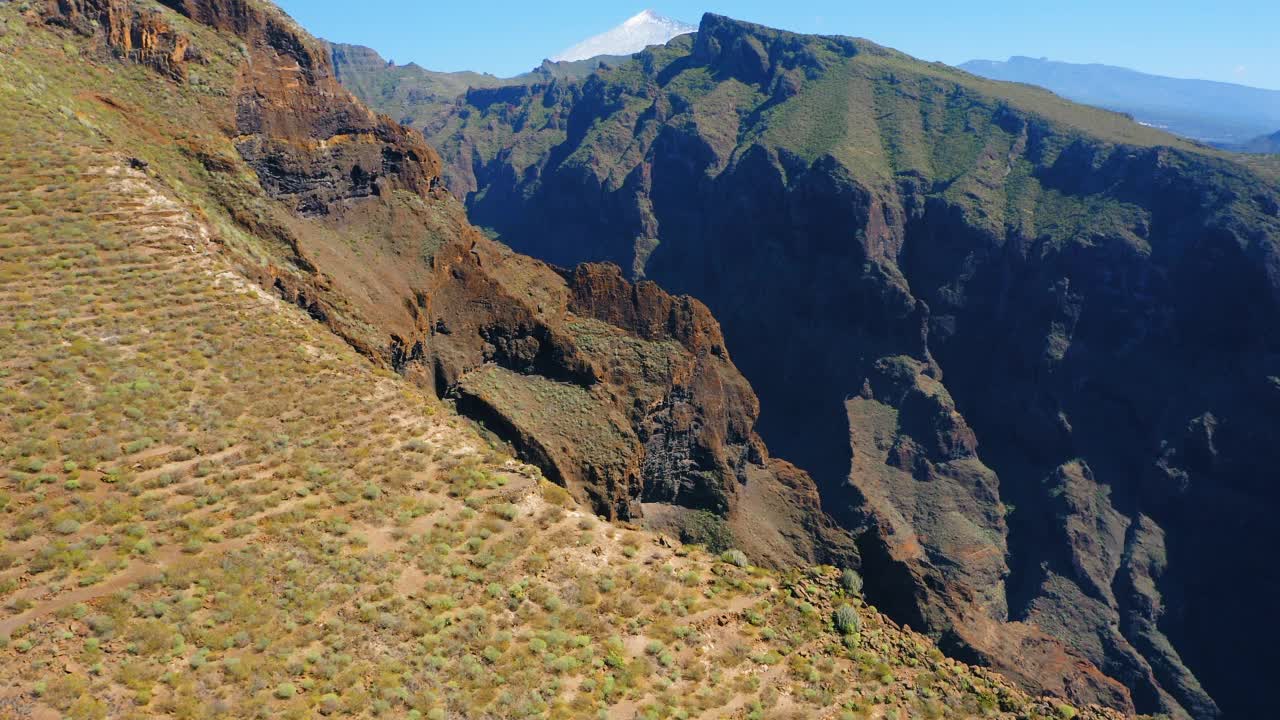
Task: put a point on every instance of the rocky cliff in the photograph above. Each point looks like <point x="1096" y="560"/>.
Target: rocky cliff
<point x="1029" y="349"/>
<point x="623" y="394"/>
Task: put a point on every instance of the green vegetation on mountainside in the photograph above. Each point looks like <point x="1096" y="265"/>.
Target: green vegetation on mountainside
<point x="880" y="114"/>
<point x="419" y="98"/>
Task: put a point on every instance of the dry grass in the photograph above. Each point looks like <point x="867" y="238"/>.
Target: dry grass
<point x="212" y="507"/>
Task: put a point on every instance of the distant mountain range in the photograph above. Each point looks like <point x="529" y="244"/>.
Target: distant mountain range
<point x="421" y="98"/>
<point x="637" y="33"/>
<point x="1263" y="145"/>
<point x="1218" y="113"/>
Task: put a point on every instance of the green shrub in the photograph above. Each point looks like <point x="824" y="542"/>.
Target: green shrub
<point x="101" y="625"/>
<point x="284" y="691"/>
<point x="846" y="620"/>
<point x="706" y="529"/>
<point x="851" y="582"/>
<point x="735" y="557"/>
<point x="66" y="527"/>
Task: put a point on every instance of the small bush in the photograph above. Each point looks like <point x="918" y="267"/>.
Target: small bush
<point x="66" y="527"/>
<point x="735" y="557"/>
<point x="846" y="620"/>
<point x="101" y="625"/>
<point x="851" y="582"/>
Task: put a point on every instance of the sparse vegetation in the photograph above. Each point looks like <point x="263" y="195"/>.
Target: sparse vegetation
<point x="218" y="508"/>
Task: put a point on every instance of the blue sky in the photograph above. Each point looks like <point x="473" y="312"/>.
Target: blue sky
<point x="1236" y="41"/>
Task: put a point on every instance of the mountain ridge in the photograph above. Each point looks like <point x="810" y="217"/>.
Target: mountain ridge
<point x="1210" y="111"/>
<point x="1265" y="145"/>
<point x="420" y="98"/>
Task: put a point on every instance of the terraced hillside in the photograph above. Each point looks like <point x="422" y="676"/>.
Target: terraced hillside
<point x="220" y="500"/>
<point x="216" y="508"/>
<point x="1027" y="348"/>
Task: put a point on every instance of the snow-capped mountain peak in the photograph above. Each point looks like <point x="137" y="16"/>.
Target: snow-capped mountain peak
<point x="645" y="17"/>
<point x="637" y="33"/>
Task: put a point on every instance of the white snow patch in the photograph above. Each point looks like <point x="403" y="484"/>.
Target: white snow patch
<point x="637" y="33"/>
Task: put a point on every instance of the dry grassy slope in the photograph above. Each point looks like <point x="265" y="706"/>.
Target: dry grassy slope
<point x="212" y="506"/>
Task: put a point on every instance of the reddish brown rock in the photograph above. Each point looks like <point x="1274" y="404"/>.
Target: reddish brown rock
<point x="139" y="35"/>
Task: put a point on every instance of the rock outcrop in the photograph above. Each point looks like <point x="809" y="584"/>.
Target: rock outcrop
<point x="138" y="35"/>
<point x="1028" y="349"/>
<point x="622" y="393"/>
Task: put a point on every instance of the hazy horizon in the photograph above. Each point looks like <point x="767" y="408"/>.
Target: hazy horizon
<point x="507" y="38"/>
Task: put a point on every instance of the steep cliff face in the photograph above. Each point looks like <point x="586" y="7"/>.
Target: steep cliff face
<point x="310" y="143"/>
<point x="438" y="103"/>
<point x="138" y="35"/>
<point x="1029" y="349"/>
<point x="623" y="394"/>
